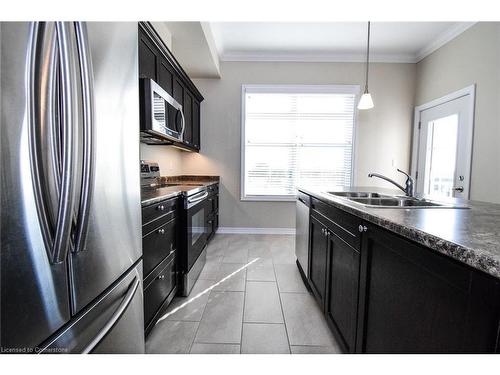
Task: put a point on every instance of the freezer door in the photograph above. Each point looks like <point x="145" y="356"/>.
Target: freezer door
<point x="112" y="324"/>
<point x="112" y="242"/>
<point x="34" y="221"/>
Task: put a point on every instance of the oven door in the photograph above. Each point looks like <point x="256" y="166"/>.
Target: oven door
<point x="197" y="226"/>
<point x="161" y="115"/>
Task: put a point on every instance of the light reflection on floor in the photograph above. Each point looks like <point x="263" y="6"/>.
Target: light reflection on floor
<point x="206" y="290"/>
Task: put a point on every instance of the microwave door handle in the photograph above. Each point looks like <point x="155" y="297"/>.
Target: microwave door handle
<point x="183" y="123"/>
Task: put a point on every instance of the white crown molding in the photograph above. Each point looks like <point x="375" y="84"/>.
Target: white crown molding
<point x="437" y="43"/>
<point x="442" y="39"/>
<point x="315" y="57"/>
<point x="246" y="230"/>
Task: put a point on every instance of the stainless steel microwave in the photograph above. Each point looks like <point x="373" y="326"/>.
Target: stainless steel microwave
<point x="162" y="118"/>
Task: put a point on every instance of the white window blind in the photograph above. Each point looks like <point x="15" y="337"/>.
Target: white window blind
<point x="296" y="136"/>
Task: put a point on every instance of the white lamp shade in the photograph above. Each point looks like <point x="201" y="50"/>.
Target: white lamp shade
<point x="366" y="101"/>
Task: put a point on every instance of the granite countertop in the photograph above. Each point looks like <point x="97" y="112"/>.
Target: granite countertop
<point x="471" y="236"/>
<point x="173" y="186"/>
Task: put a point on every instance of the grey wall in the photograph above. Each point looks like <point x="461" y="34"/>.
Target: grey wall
<point x="471" y="58"/>
<point x="382" y="139"/>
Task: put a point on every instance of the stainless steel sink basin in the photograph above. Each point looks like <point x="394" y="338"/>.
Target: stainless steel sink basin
<point x="395" y="202"/>
<point x="376" y="200"/>
<point x="356" y="194"/>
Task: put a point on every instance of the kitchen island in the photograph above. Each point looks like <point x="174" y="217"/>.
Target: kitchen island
<point x="405" y="280"/>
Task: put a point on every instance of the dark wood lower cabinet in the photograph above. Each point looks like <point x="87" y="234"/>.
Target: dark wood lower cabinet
<point x="159" y="245"/>
<point x="413" y="300"/>
<point x="342" y="290"/>
<point x="382" y="293"/>
<point x="318" y="255"/>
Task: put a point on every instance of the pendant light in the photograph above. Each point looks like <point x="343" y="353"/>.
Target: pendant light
<point x="366" y="101"/>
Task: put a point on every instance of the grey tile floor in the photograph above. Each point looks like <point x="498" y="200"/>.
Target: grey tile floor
<point x="250" y="298"/>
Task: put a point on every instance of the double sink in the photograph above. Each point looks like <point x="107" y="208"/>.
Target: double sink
<point x="369" y="199"/>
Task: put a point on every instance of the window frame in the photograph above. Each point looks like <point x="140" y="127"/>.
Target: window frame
<point x="284" y="89"/>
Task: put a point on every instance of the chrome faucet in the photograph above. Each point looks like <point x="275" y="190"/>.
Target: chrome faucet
<point x="409" y="188"/>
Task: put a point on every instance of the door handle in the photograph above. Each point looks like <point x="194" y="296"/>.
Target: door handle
<point x="57" y="236"/>
<point x="87" y="86"/>
<point x="114" y="318"/>
<point x="183" y="124"/>
<point x="460" y="189"/>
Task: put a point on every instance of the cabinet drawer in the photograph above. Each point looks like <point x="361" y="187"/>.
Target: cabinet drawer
<point x="155" y="214"/>
<point x="341" y="223"/>
<point x="158" y="244"/>
<point x="159" y="288"/>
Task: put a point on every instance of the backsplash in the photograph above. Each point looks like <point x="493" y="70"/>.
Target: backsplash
<point x="168" y="158"/>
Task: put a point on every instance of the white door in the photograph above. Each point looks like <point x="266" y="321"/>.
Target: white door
<point x="444" y="148"/>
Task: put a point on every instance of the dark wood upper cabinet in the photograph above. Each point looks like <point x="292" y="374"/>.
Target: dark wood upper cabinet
<point x="318" y="259"/>
<point x="178" y="92"/>
<point x="147" y="57"/>
<point x="165" y="77"/>
<point x="188" y="118"/>
<point x="196" y="124"/>
<point x="158" y="63"/>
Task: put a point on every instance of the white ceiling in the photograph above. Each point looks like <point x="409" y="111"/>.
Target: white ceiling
<point x="334" y="41"/>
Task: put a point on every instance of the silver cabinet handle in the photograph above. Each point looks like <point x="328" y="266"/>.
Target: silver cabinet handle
<point x="87" y="86"/>
<point x="161" y="207"/>
<point x="114" y="318"/>
<point x="161" y="277"/>
<point x="161" y="231"/>
<point x="460" y="189"/>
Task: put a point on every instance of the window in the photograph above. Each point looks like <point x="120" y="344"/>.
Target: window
<point x="295" y="136"/>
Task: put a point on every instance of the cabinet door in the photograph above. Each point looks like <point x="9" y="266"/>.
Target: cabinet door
<point x="188" y="117"/>
<point x="178" y="94"/>
<point x="165" y="76"/>
<point x="318" y="259"/>
<point x="343" y="282"/>
<point x="178" y="91"/>
<point x="147" y="58"/>
<point x="196" y="123"/>
<point x="412" y="300"/>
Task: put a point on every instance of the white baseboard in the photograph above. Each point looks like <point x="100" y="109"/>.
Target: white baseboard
<point x="245" y="230"/>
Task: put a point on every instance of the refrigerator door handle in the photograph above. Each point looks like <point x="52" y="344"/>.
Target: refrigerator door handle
<point x="115" y="317"/>
<point x="87" y="85"/>
<point x="56" y="235"/>
<point x="33" y="103"/>
<point x="62" y="235"/>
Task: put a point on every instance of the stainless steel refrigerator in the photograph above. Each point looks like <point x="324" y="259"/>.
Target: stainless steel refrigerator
<point x="71" y="269"/>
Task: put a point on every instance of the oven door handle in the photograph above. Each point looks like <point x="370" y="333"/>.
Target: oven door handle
<point x="197" y="198"/>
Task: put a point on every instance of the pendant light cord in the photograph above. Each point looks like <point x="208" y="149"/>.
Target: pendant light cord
<point x="367" y="58"/>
